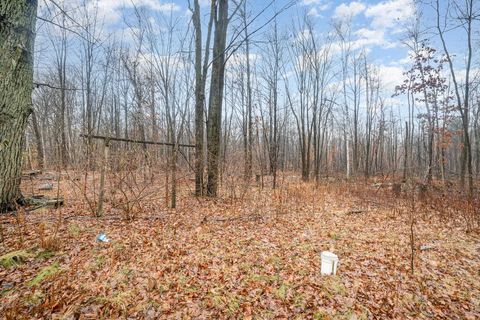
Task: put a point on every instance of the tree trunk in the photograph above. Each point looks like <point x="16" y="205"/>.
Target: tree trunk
<point x="199" y="101"/>
<point x="39" y="143"/>
<point x="405" y="156"/>
<point x="216" y="97"/>
<point x="17" y="36"/>
<point x="200" y="81"/>
<point x="101" y="195"/>
<point x="248" y="165"/>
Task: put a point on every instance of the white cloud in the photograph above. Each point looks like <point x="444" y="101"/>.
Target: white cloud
<point x="388" y="14"/>
<point x="384" y="19"/>
<point x="324" y="7"/>
<point x="390" y="76"/>
<point x="303" y="35"/>
<point x="238" y="59"/>
<point x="405" y="61"/>
<point x="345" y="11"/>
<point x="368" y="37"/>
<point x="111" y="9"/>
<point x="313" y="12"/>
<point x="316" y="6"/>
<point x="460" y="74"/>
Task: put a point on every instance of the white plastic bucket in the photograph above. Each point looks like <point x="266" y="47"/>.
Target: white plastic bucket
<point x="329" y="263"/>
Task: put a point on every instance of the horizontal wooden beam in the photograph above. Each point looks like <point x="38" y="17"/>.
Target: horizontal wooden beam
<point x="137" y="141"/>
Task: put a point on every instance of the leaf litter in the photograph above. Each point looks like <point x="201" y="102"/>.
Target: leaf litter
<point x="187" y="266"/>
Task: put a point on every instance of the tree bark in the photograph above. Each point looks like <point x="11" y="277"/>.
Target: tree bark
<point x="248" y="164"/>
<point x="39" y="142"/>
<point x="200" y="81"/>
<point x="17" y="36"/>
<point x="216" y="96"/>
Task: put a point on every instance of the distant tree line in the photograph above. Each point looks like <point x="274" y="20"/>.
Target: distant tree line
<point x="255" y="98"/>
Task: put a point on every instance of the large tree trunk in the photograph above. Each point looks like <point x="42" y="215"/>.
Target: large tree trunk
<point x="216" y="97"/>
<point x="17" y="35"/>
<point x="200" y="82"/>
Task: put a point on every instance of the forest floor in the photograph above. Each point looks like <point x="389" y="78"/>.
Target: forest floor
<point x="244" y="256"/>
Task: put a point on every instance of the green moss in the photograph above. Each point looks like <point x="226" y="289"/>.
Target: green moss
<point x="45" y="254"/>
<point x="6" y="291"/>
<point x="14" y="258"/>
<point x="45" y="273"/>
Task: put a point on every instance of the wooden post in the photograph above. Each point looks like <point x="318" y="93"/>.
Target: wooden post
<point x="173" y="164"/>
<point x="405" y="157"/>
<point x="106" y="147"/>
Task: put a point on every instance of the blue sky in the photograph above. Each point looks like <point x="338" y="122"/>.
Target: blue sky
<point x="376" y="26"/>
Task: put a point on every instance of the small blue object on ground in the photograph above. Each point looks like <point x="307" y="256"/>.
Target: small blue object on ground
<point x="102" y="237"/>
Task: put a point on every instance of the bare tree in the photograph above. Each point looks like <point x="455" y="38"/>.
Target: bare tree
<point x="214" y="121"/>
<point x="466" y="15"/>
<point x="200" y="81"/>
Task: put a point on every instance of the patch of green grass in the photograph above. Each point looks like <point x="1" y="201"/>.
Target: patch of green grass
<point x="98" y="263"/>
<point x="161" y="288"/>
<point x="337" y="286"/>
<point x="334" y="236"/>
<point x="45" y="254"/>
<point x="333" y="286"/>
<point x="233" y="304"/>
<point x="126" y="271"/>
<point x="74" y="229"/>
<point x="305" y="247"/>
<point x="119" y="247"/>
<point x="6" y="291"/>
<point x="35" y="298"/>
<point x="264" y="278"/>
<point x="349" y="315"/>
<point x="299" y="300"/>
<point x="153" y="304"/>
<point x="14" y="258"/>
<point x="46" y="272"/>
<point x="276" y="261"/>
<point x="215" y="297"/>
<point x="321" y="315"/>
<point x="119" y="300"/>
<point x="190" y="289"/>
<point x="245" y="266"/>
<point x="281" y="292"/>
<point x="227" y="301"/>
